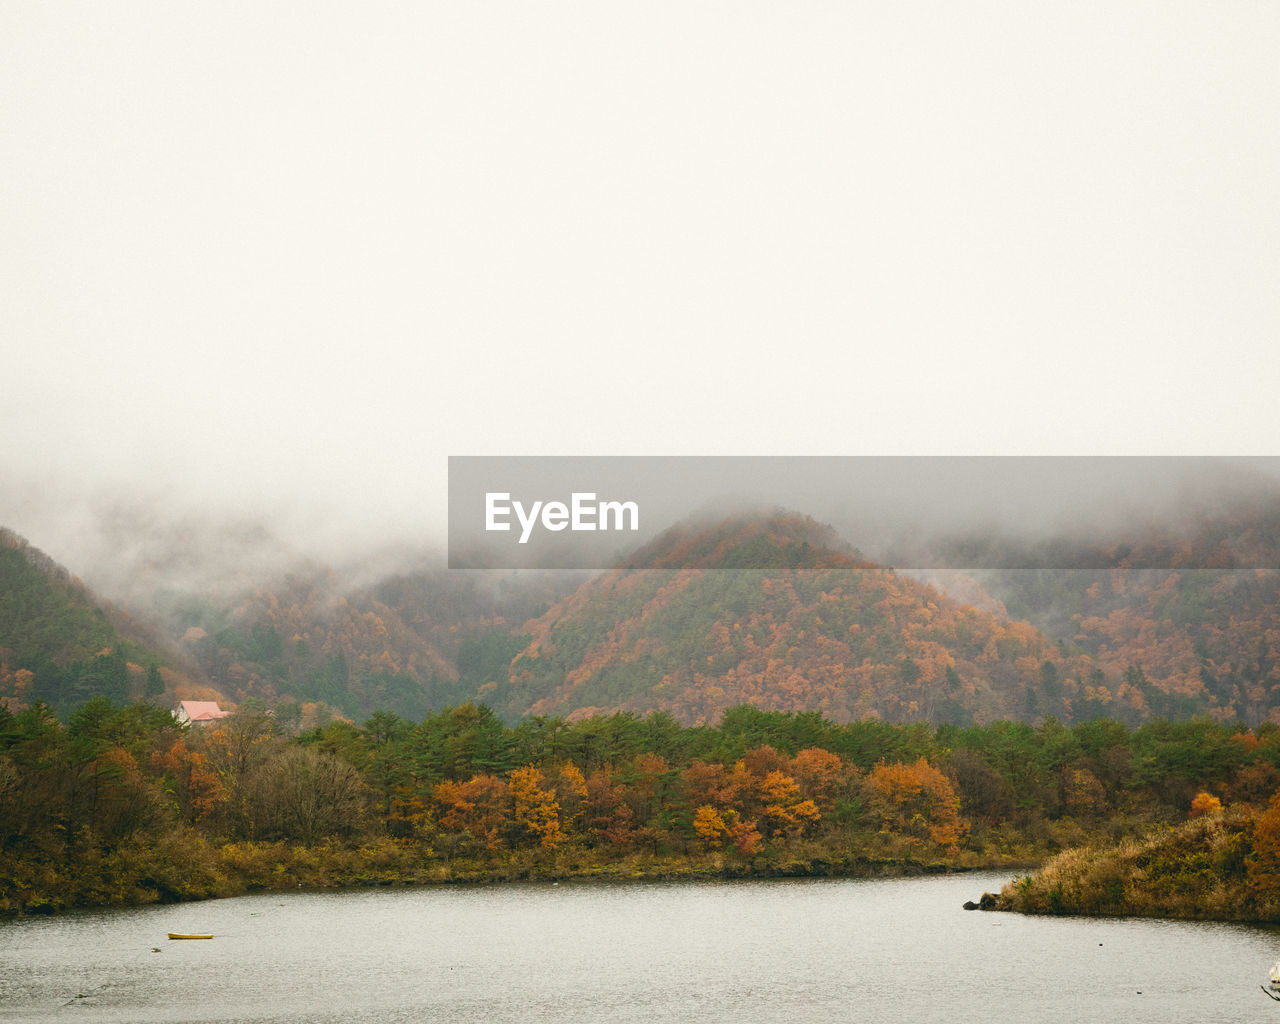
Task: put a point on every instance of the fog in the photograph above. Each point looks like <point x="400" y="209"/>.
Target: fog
<point x="267" y="268"/>
<point x="136" y="546"/>
<point x="890" y="508"/>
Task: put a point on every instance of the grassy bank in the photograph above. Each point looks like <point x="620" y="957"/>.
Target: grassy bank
<point x="1211" y="868"/>
<point x="187" y="868"/>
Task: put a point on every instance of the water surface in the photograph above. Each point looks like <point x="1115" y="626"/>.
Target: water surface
<point x="734" y="952"/>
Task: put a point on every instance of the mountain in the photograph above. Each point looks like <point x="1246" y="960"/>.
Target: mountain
<point x="411" y="642"/>
<point x="769" y="608"/>
<point x="1188" y="614"/>
<point x="251" y="608"/>
<point x="774" y="611"/>
<point x="60" y="644"/>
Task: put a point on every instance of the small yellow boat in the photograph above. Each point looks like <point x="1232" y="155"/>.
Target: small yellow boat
<point x="179" y="935"/>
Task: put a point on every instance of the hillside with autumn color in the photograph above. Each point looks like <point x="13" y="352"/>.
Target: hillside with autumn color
<point x="1171" y="622"/>
<point x="688" y="628"/>
<point x="1175" y="622"/>
<point x="747" y="697"/>
<point x="773" y="610"/>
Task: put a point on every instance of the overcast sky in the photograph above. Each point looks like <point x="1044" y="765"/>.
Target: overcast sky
<point x="282" y="259"/>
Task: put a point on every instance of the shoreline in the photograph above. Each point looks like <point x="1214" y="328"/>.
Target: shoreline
<point x="285" y="877"/>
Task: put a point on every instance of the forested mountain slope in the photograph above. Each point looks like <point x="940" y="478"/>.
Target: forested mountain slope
<point x="770" y="609"/>
<point x="777" y="612"/>
<point x="61" y="645"/>
<point x="1187" y="615"/>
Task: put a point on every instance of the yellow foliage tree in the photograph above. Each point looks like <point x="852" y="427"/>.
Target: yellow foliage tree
<point x="537" y="811"/>
<point x="784" y="810"/>
<point x="709" y="826"/>
<point x="570" y="792"/>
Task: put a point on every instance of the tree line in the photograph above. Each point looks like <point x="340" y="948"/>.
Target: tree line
<point x="122" y="805"/>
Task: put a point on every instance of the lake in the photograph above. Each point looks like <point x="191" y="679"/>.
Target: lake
<point x="810" y="950"/>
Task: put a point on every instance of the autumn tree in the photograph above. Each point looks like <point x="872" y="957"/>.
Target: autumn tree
<point x="649" y="786"/>
<point x="605" y="811"/>
<point x="716" y="828"/>
<point x="713" y="784"/>
<point x="819" y="774"/>
<point x="570" y="788"/>
<point x="122" y="801"/>
<point x="536" y="811"/>
<point x="917" y="801"/>
<point x="474" y="813"/>
<point x="194" y="785"/>
<point x="236" y="749"/>
<point x="1205" y="804"/>
<point x="782" y="809"/>
<point x="1082" y="793"/>
<point x="1262" y="866"/>
<point x="306" y="795"/>
<point x="709" y="826"/>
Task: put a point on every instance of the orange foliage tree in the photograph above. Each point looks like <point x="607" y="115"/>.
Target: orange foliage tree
<point x="1263" y="864"/>
<point x="818" y="773"/>
<point x="714" y="828"/>
<point x="1205" y="803"/>
<point x="195" y="786"/>
<point x="915" y="800"/>
<point x="475" y="811"/>
<point x="783" y="809"/>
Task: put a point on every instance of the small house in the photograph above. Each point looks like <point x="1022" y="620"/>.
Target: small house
<point x="198" y="712"/>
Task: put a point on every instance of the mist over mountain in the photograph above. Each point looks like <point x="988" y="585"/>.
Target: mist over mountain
<point x="1172" y="616"/>
<point x="687" y="629"/>
<point x="61" y="644"/>
<point x="1192" y="608"/>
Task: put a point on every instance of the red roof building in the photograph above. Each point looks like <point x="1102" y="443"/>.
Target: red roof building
<point x="199" y="711"/>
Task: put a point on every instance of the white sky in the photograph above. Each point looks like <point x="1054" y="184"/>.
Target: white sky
<point x="285" y="258"/>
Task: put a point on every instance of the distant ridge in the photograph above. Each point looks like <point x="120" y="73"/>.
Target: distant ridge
<point x="769" y="608"/>
<point x="809" y="626"/>
<point x="765" y="539"/>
